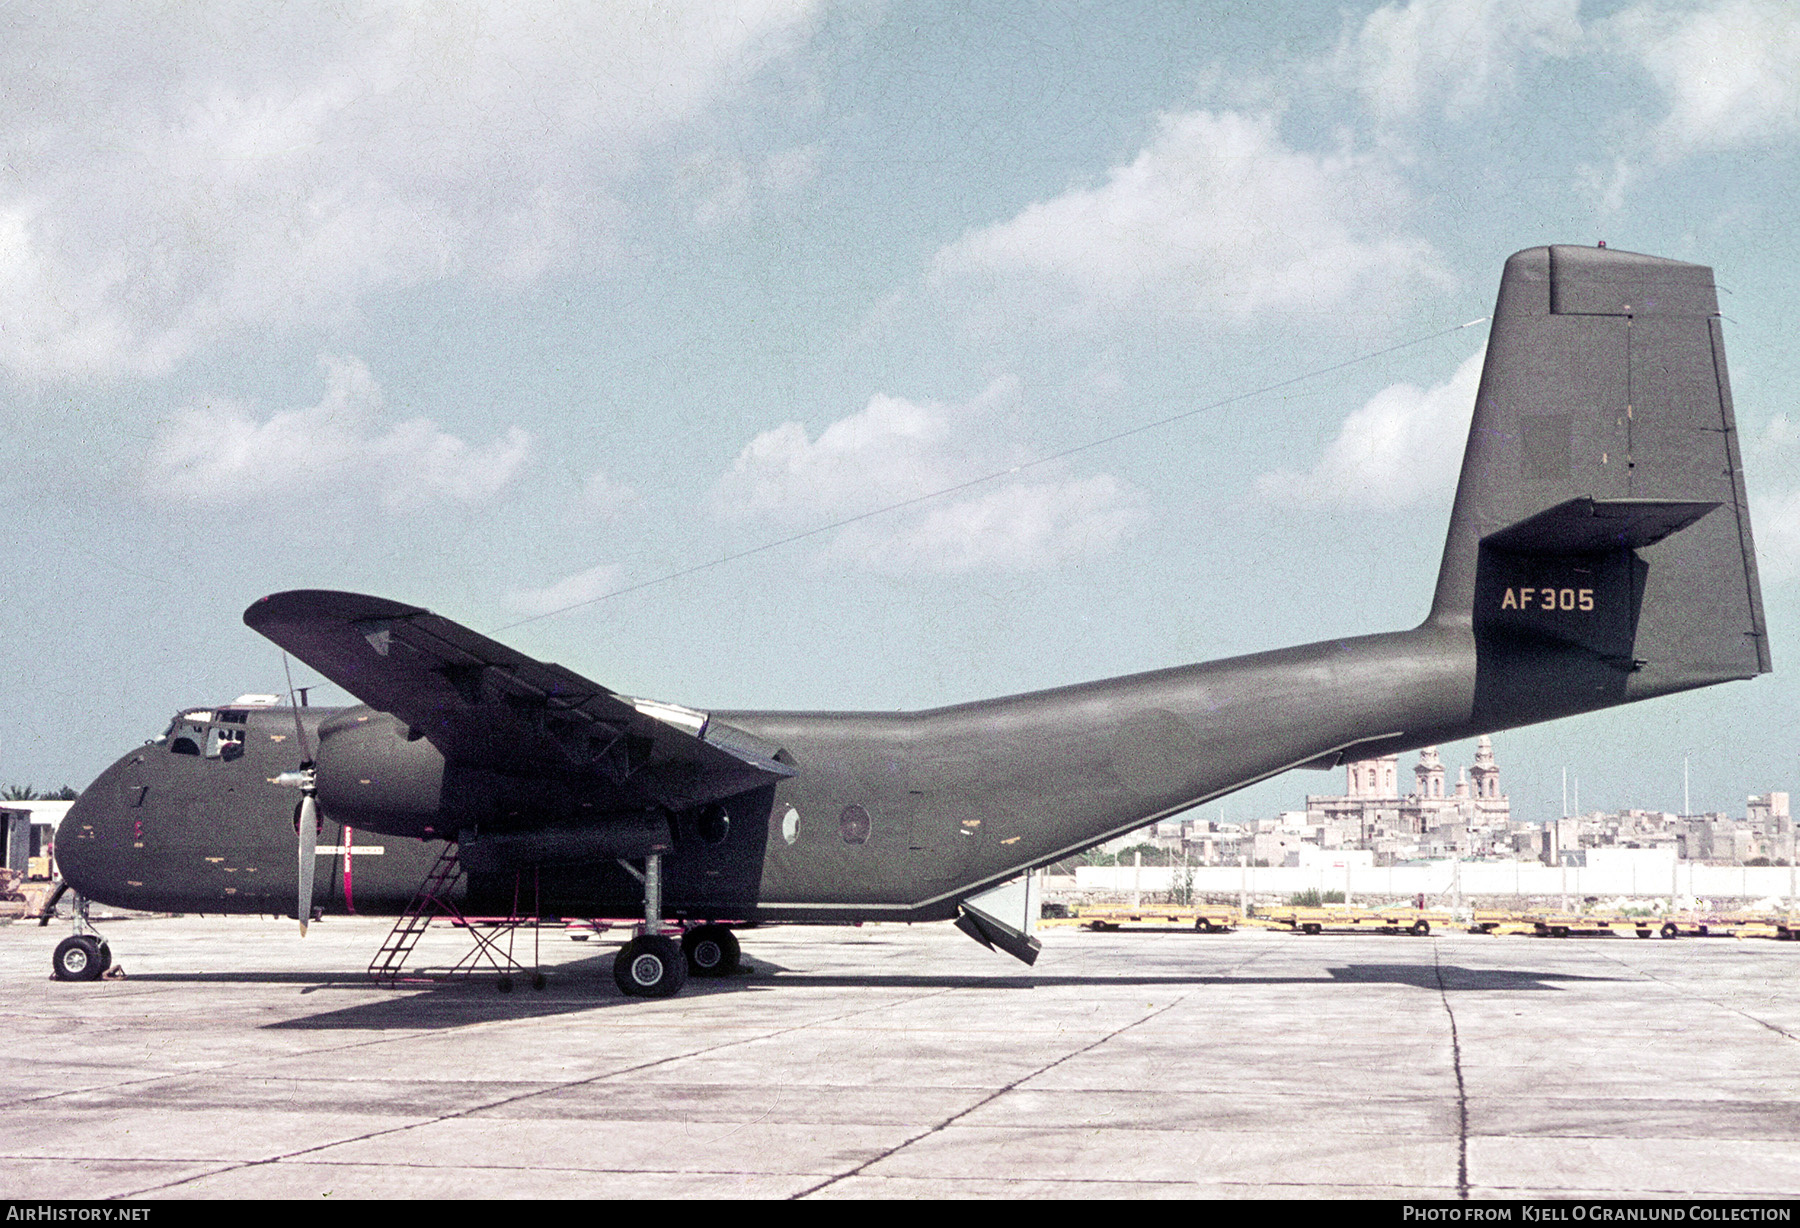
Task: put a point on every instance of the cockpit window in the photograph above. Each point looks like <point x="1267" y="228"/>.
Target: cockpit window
<point x="205" y="732"/>
<point x="224" y="742"/>
<point x="186" y="735"/>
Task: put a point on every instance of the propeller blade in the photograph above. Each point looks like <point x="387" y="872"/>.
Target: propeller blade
<point x="299" y="729"/>
<point x="309" y="848"/>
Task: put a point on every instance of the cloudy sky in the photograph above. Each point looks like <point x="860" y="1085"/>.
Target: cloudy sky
<point x="501" y="308"/>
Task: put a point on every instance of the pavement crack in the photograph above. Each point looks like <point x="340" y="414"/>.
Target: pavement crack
<point x="1692" y="993"/>
<point x="951" y="1120"/>
<point x="215" y="1068"/>
<point x="519" y="1097"/>
<point x="1462" y="1090"/>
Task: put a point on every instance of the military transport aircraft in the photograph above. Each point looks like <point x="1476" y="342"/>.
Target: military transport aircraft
<point x="1599" y="553"/>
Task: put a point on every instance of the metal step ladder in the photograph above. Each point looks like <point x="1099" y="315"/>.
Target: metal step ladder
<point x="433" y="898"/>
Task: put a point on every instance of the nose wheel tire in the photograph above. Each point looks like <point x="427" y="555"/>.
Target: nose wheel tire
<point x="711" y="950"/>
<point x="650" y="966"/>
<point x="80" y="958"/>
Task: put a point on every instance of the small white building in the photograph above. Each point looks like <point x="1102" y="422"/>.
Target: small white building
<point x="28" y="835"/>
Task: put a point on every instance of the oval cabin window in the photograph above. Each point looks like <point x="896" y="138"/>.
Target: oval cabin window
<point x="853" y="824"/>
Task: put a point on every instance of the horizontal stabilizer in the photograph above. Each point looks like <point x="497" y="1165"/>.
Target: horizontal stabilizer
<point x="1594" y="526"/>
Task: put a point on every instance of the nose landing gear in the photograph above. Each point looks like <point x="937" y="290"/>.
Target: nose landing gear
<point x="80" y="957"/>
<point x="83" y="955"/>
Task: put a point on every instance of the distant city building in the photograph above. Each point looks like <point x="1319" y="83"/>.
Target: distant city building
<point x="1472" y="818"/>
<point x="1764" y="836"/>
<point x="1475" y="819"/>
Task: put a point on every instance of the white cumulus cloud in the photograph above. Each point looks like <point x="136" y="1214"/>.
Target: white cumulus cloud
<point x="1775" y="519"/>
<point x="1779" y="438"/>
<point x="577" y="589"/>
<point x="894" y="450"/>
<point x="1400" y="448"/>
<point x="1218" y="214"/>
<point x="603" y="497"/>
<point x="728" y="188"/>
<point x="175" y="173"/>
<point x="1017" y="526"/>
<point x="1457" y="55"/>
<point x="1730" y="70"/>
<point x="221" y="453"/>
<point x="1775" y="522"/>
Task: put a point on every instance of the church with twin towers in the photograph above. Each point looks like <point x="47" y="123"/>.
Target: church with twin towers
<point x="1474" y="818"/>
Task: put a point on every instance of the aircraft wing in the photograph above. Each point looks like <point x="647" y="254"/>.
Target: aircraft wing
<point x="484" y="705"/>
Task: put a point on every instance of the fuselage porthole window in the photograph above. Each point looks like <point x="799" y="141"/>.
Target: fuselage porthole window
<point x="790" y="825"/>
<point x="854" y="825"/>
<point x="713" y="824"/>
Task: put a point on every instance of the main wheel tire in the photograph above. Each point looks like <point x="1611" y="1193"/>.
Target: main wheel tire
<point x="1671" y="930"/>
<point x="1421" y="928"/>
<point x="651" y="966"/>
<point x="711" y="950"/>
<point x="78" y="958"/>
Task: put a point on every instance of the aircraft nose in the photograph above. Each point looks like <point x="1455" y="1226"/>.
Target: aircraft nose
<point x="97" y="828"/>
<point x="75" y="840"/>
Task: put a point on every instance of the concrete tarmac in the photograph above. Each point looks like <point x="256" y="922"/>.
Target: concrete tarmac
<point x="239" y="1061"/>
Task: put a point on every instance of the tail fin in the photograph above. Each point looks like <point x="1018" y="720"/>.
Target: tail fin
<point x="1600" y="543"/>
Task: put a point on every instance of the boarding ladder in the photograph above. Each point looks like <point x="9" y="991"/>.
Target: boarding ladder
<point x="492" y="937"/>
<point x="433" y="898"/>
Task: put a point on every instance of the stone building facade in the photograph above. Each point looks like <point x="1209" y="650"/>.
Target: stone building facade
<point x="1471" y="819"/>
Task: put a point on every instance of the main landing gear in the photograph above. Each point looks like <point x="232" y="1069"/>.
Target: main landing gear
<point x="711" y="950"/>
<point x="651" y="964"/>
<point x="654" y="964"/>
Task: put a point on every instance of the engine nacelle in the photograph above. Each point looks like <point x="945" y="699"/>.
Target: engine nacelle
<point x="374" y="774"/>
<point x="603" y="838"/>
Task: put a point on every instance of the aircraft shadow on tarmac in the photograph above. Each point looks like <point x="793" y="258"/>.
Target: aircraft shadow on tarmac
<point x="1452" y="978"/>
<point x="586" y="985"/>
<point x="1421" y="976"/>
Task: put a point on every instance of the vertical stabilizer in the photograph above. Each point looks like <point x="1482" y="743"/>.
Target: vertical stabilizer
<point x="1600" y="544"/>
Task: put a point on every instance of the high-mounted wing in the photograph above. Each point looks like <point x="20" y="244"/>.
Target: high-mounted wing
<point x="484" y="705"/>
